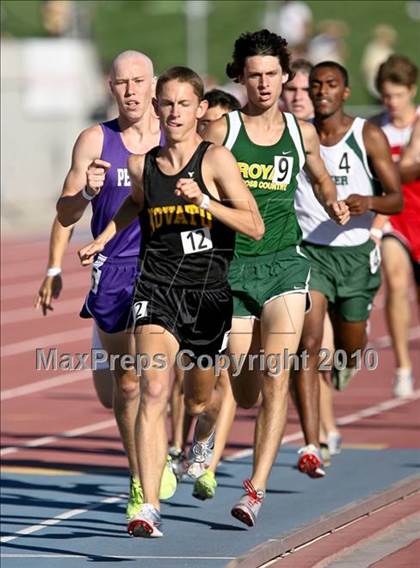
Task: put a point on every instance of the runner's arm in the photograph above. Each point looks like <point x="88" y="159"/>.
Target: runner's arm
<point x="52" y="284"/>
<point x="322" y="184"/>
<point x="125" y="215"/>
<point x="71" y="204"/>
<point x="379" y="154"/>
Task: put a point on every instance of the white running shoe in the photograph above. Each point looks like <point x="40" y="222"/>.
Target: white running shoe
<point x="403" y="383"/>
<point x="247" y="508"/>
<point x="310" y="461"/>
<point x="200" y="456"/>
<point x="334" y="443"/>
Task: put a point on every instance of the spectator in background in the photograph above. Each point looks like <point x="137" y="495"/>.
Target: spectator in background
<point x="412" y="10"/>
<point x="329" y="44"/>
<point x="293" y="21"/>
<point x="66" y="18"/>
<point x="57" y="17"/>
<point x="376" y="52"/>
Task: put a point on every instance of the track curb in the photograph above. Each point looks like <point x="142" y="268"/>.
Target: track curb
<point x="276" y="547"/>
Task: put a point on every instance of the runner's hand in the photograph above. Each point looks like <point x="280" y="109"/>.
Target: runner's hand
<point x="50" y="288"/>
<point x="95" y="176"/>
<point x="189" y="190"/>
<point x="339" y="212"/>
<point x="88" y="253"/>
<point x="358" y="204"/>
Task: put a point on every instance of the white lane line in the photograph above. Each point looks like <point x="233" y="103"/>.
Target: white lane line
<point x="118" y="557"/>
<point x="37" y="442"/>
<point x="52" y="339"/>
<point x="350" y="418"/>
<point x="377" y="409"/>
<point x="385" y="340"/>
<point x="52" y="382"/>
<point x="28" y="313"/>
<point x="61" y="517"/>
<point x="343" y="420"/>
<point x="71" y="280"/>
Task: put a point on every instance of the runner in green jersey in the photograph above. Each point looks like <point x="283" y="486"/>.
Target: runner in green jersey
<point x="269" y="281"/>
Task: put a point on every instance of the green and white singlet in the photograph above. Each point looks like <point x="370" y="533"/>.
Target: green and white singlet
<point x="344" y="260"/>
<point x="270" y="172"/>
<point x="348" y="167"/>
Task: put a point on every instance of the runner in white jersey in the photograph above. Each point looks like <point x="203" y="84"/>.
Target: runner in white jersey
<point x="344" y="260"/>
<point x="347" y="164"/>
<point x="396" y="81"/>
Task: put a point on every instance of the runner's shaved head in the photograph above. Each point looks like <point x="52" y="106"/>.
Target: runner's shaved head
<point x="131" y="56"/>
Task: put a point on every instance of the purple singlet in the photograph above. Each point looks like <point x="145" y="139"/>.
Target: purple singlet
<point x="114" y="271"/>
<point x="116" y="188"/>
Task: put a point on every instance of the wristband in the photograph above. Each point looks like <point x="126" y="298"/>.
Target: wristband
<point x="205" y="202"/>
<point x="53" y="271"/>
<point x="378" y="233"/>
<point x="87" y="195"/>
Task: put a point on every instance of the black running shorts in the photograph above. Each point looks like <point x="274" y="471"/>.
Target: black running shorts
<point x="199" y="319"/>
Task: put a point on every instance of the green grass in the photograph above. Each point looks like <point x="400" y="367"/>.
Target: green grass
<point x="158" y="28"/>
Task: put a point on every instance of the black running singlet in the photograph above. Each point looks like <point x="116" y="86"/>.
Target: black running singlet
<point x="182" y="244"/>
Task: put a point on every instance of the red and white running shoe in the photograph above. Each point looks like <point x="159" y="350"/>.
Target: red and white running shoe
<point x="147" y="523"/>
<point x="310" y="461"/>
<point x="248" y="506"/>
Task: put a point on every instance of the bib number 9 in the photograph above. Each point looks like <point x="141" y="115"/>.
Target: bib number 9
<point x="283" y="167"/>
<point x="196" y="241"/>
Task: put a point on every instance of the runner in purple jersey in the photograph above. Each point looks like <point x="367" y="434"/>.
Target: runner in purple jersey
<point x="99" y="174"/>
<point x="114" y="272"/>
<point x="116" y="188"/>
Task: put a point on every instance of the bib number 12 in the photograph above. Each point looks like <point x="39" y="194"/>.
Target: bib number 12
<point x="196" y="241"/>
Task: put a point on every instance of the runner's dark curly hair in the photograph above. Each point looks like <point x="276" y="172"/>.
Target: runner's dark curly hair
<point x="262" y="42"/>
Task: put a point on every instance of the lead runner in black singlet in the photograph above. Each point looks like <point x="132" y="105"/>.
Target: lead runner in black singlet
<point x="183" y="284"/>
<point x="191" y="199"/>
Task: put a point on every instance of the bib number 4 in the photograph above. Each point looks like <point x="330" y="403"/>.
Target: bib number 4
<point x="195" y="241"/>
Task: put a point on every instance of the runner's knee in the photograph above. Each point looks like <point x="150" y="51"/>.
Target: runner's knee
<point x="397" y="281"/>
<point x="195" y="407"/>
<point x="128" y="386"/>
<point x="154" y="392"/>
<point x="245" y="400"/>
<point x="311" y="343"/>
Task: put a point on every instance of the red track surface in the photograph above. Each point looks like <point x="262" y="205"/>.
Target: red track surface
<point x="60" y="409"/>
<point x="56" y="410"/>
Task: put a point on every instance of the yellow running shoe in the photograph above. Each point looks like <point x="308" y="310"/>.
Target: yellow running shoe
<point x="168" y="482"/>
<point x="168" y="485"/>
<point x="205" y="486"/>
<point x="135" y="498"/>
